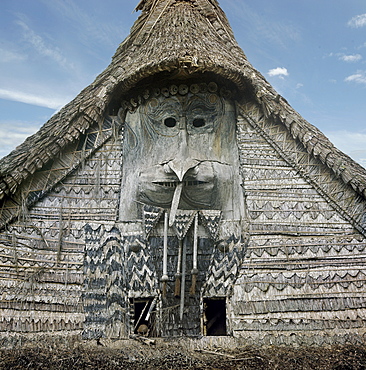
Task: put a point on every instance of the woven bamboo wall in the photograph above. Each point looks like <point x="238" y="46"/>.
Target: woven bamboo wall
<point x="42" y="252"/>
<point x="303" y="279"/>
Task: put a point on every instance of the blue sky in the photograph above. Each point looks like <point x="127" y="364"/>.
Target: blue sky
<point x="313" y="52"/>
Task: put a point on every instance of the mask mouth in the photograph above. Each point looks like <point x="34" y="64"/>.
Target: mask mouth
<point x="165" y="189"/>
<point x="174" y="184"/>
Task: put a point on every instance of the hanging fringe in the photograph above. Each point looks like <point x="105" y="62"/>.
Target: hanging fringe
<point x="178" y="274"/>
<point x="192" y="291"/>
<point x="177" y="286"/>
<point x="14" y="245"/>
<point x="115" y="130"/>
<point x="97" y="181"/>
<point x="60" y="231"/>
<point x="164" y="288"/>
<point x="24" y="216"/>
<point x="150" y="217"/>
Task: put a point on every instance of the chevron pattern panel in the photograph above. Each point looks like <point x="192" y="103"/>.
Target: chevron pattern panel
<point x="142" y="279"/>
<point x="223" y="270"/>
<point x="95" y="303"/>
<point x="303" y="277"/>
<point x="116" y="293"/>
<point x="337" y="194"/>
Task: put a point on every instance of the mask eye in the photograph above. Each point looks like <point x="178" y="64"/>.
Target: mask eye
<point x="198" y="122"/>
<point x="170" y="122"/>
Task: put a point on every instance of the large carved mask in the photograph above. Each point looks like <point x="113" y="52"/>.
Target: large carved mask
<point x="180" y="152"/>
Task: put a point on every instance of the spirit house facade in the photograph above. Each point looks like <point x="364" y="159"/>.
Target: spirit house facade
<point x="180" y="195"/>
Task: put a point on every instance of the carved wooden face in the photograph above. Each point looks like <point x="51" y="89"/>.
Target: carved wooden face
<point x="182" y="149"/>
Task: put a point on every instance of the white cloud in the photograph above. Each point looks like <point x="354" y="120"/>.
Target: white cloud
<point x="8" y="56"/>
<point x="351" y="58"/>
<point x="279" y="72"/>
<point x="351" y="143"/>
<point x="40" y="46"/>
<point x="359" y="156"/>
<point x="13" y="134"/>
<point x="358" y="21"/>
<point x="42" y="101"/>
<point x="16" y="135"/>
<point x="359" y="77"/>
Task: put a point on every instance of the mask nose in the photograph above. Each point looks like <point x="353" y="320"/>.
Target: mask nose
<point x="180" y="167"/>
<point x="182" y="161"/>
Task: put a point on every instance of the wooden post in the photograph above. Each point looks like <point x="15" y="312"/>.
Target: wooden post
<point x="194" y="271"/>
<point x="183" y="280"/>
<point x="165" y="277"/>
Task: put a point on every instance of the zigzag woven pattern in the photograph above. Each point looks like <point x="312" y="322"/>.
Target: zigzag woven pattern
<point x="210" y="220"/>
<point x="151" y="216"/>
<point x="223" y="271"/>
<point x="116" y="304"/>
<point x="94" y="296"/>
<point x="141" y="274"/>
<point x="182" y="223"/>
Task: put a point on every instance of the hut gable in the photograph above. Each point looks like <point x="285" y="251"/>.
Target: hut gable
<point x="259" y="231"/>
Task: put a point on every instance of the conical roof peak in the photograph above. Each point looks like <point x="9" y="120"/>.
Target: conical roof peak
<point x="149" y="5"/>
<point x="192" y="35"/>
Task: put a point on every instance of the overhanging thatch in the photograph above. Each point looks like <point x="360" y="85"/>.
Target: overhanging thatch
<point x="175" y="37"/>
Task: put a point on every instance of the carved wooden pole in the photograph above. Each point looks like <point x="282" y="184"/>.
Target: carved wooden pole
<point x="178" y="274"/>
<point x="182" y="287"/>
<point x="165" y="277"/>
<point x="194" y="271"/>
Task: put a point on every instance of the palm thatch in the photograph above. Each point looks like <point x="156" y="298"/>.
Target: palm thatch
<point x="170" y="36"/>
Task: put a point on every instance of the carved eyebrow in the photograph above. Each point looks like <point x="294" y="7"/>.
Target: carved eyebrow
<point x="201" y="103"/>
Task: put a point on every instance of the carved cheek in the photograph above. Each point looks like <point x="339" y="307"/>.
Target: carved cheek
<point x="200" y="188"/>
<point x="156" y="186"/>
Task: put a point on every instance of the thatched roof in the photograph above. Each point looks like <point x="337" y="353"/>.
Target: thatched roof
<point x="181" y="37"/>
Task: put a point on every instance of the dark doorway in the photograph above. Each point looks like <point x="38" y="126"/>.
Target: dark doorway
<point x="214" y="316"/>
<point x="143" y="316"/>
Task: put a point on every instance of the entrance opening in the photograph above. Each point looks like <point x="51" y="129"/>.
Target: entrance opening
<point x="143" y="316"/>
<point x="214" y="316"/>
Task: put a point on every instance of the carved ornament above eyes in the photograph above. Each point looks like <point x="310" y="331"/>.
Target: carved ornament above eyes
<point x="175" y="90"/>
<point x="197" y="114"/>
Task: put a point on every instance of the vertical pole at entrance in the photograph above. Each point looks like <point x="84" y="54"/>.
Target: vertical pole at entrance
<point x="178" y="274"/>
<point x="165" y="277"/>
<point x="183" y="280"/>
<point x="195" y="255"/>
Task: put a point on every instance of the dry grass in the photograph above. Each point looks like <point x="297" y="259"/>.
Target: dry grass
<point x="165" y="355"/>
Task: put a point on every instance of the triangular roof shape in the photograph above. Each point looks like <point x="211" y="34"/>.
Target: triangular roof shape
<point x="182" y="38"/>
